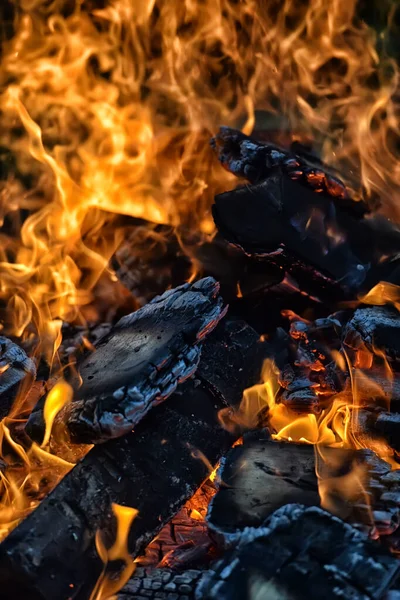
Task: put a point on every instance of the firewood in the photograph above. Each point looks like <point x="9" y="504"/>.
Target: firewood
<point x="280" y="222"/>
<point x="300" y="218"/>
<point x="247" y="157"/>
<point x="161" y="584"/>
<point x="140" y="362"/>
<point x="376" y="327"/>
<point x="262" y="475"/>
<point x="375" y="424"/>
<point x="15" y="369"/>
<point x="301" y="554"/>
<point x="155" y="469"/>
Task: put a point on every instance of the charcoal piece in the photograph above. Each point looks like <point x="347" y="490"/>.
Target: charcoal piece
<point x="308" y="377"/>
<point x="376" y="327"/>
<point x="141" y="361"/>
<point x="282" y="223"/>
<point x="302" y="554"/>
<point x="148" y="583"/>
<point x="15" y="369"/>
<point x="153" y="258"/>
<point x="155" y="469"/>
<point x="298" y="391"/>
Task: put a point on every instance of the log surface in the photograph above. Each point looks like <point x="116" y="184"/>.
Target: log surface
<point x="15" y="368"/>
<point x="154" y="469"/>
<point x="301" y="554"/>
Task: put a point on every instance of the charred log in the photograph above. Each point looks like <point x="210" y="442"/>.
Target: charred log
<point x="141" y="361"/>
<point x="184" y="541"/>
<point x="280" y="222"/>
<point x="317" y="235"/>
<point x="161" y="584"/>
<point x="261" y="476"/>
<point x="16" y="369"/>
<point x="301" y="553"/>
<point x="256" y="161"/>
<point x="375" y="424"/>
<point x="155" y="469"/>
<point x="375" y="327"/>
<point x="153" y="258"/>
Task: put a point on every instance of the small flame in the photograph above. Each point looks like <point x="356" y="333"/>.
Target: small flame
<point x="107" y="585"/>
<point x="60" y="395"/>
<point x="383" y="293"/>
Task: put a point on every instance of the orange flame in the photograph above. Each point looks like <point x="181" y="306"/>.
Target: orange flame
<point x="60" y="395"/>
<point x="107" y="586"/>
<point x="383" y="293"/>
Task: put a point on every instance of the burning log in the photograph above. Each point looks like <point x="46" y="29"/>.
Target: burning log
<point x="320" y="237"/>
<point x="15" y="368"/>
<point x="256" y="479"/>
<point x="262" y="475"/>
<point x="184" y="541"/>
<point x="301" y="553"/>
<point x="155" y="470"/>
<point x="140" y="362"/>
<point x="153" y="258"/>
<point x="308" y="373"/>
<point x="246" y="157"/>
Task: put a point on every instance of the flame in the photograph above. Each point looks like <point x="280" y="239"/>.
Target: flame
<point x="22" y="477"/>
<point x="106" y="585"/>
<point x="383" y="293"/>
<point x="335" y="426"/>
<point x="60" y="395"/>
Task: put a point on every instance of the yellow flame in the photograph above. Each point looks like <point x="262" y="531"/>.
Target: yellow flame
<point x="106" y="586"/>
<point x="60" y="395"/>
<point x="383" y="293"/>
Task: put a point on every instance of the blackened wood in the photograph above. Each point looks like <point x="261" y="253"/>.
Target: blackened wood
<point x="302" y="554"/>
<point x="15" y="369"/>
<point x="298" y="203"/>
<point x="151" y="260"/>
<point x="140" y="362"/>
<point x="256" y="479"/>
<point x="309" y="376"/>
<point x="377" y="424"/>
<point x="184" y="542"/>
<point x="161" y="584"/>
<point x="154" y="258"/>
<point x="247" y="157"/>
<point x="261" y="476"/>
<point x="285" y="224"/>
<point x="155" y="469"/>
<point x="375" y="327"/>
